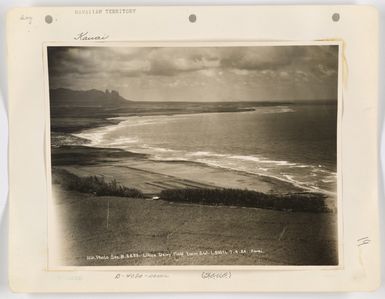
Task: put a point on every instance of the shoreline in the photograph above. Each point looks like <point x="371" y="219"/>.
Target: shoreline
<point x="122" y="163"/>
<point x="115" y="118"/>
<point x="117" y="153"/>
<point x="138" y="171"/>
<point x="95" y="160"/>
<point x="111" y="117"/>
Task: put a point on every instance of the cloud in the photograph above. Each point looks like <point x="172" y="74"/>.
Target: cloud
<point x="129" y="61"/>
<point x="172" y="61"/>
<point x="257" y="58"/>
<point x="245" y="71"/>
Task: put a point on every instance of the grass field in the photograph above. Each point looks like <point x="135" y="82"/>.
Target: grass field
<point x="147" y="227"/>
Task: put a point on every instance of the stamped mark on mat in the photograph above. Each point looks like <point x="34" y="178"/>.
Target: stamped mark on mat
<point x="363" y="241"/>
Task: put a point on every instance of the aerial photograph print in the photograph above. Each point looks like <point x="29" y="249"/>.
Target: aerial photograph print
<point x="192" y="155"/>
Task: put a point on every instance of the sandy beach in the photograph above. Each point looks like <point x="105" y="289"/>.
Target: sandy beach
<point x="153" y="176"/>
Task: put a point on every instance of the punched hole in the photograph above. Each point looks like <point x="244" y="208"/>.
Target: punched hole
<point x="48" y="19"/>
<point x="336" y="17"/>
<point x="192" y="18"/>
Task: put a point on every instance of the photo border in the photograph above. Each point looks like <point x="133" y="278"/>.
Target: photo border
<point x="52" y="243"/>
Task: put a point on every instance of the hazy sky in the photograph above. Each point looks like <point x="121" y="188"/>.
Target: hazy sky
<point x="199" y="74"/>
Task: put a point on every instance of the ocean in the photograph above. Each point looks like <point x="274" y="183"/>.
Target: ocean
<point x="295" y="143"/>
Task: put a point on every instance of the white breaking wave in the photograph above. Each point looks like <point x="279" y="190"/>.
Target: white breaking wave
<point x="271" y="110"/>
<point x="97" y="136"/>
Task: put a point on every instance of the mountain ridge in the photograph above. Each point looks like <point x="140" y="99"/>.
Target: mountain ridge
<point x="65" y="97"/>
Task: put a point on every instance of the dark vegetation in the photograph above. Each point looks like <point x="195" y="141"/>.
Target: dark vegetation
<point x="62" y="123"/>
<point x="86" y="155"/>
<point x="296" y="202"/>
<point x="96" y="185"/>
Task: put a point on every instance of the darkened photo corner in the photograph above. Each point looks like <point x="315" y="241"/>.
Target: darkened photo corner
<point x="222" y="155"/>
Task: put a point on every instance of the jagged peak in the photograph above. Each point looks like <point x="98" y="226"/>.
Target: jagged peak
<point x="87" y="95"/>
